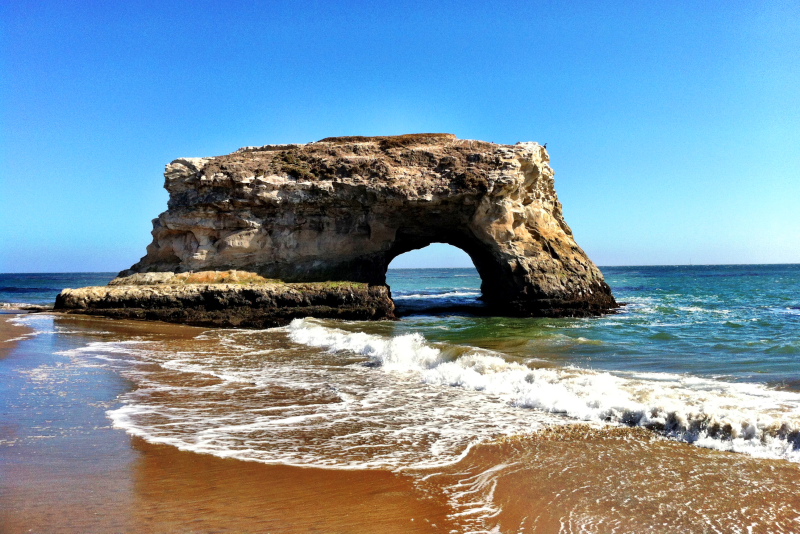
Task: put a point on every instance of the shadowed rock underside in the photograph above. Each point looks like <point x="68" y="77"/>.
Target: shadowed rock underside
<point x="343" y="208"/>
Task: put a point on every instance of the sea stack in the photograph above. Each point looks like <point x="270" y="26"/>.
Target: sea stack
<point x="342" y="208"/>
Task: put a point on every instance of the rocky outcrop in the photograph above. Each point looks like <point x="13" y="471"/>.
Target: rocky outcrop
<point x="260" y="304"/>
<point x="343" y="208"/>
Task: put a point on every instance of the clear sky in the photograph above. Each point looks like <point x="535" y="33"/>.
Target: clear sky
<point x="673" y="127"/>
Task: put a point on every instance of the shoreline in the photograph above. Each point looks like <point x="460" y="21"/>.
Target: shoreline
<point x="86" y="476"/>
<point x="11" y="334"/>
<point x="581" y="478"/>
<point x="103" y="480"/>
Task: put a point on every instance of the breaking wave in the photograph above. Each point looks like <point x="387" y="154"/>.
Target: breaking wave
<point x="738" y="417"/>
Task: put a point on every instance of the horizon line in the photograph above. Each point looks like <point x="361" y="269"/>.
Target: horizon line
<point x="622" y="265"/>
<point x="467" y="267"/>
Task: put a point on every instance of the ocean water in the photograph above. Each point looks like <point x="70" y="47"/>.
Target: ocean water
<point x="41" y="289"/>
<point x="731" y="322"/>
<point x="703" y="355"/>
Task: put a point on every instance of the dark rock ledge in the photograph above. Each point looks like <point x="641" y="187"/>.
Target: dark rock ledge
<point x="239" y="304"/>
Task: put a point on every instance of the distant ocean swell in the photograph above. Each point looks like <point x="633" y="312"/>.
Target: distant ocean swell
<point x="438" y="295"/>
<point x="12" y="289"/>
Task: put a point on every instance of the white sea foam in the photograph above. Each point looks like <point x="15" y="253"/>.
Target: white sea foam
<point x="19" y="338"/>
<point x="739" y="417"/>
<point x="40" y="324"/>
<point x="315" y="394"/>
<point x="406" y="373"/>
<point x="306" y="407"/>
<point x="401" y="353"/>
<point x="697" y="309"/>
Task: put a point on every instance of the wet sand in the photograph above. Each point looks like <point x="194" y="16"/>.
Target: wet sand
<point x="101" y="480"/>
<point x="89" y="477"/>
<point x="167" y="490"/>
<point x="10" y="332"/>
<point x="579" y="478"/>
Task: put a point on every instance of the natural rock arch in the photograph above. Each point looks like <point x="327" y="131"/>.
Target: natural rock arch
<point x="343" y="208"/>
<point x="490" y="271"/>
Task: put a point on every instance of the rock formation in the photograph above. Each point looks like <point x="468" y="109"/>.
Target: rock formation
<point x="227" y="299"/>
<point x="342" y="208"/>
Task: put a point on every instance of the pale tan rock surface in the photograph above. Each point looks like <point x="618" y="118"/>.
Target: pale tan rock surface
<point x="343" y="208"/>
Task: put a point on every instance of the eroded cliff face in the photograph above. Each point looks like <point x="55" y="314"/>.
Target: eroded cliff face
<point x="343" y="208"/>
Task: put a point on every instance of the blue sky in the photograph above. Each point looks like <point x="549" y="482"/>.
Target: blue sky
<point x="673" y="128"/>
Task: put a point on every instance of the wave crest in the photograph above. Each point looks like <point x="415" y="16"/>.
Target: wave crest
<point x="739" y="417"/>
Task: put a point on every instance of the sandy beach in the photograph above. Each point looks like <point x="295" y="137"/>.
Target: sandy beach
<point x="583" y="479"/>
<point x="10" y="333"/>
<point x="161" y="489"/>
<point x="64" y="468"/>
<point x="108" y="482"/>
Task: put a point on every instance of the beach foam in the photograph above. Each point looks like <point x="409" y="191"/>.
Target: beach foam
<point x="738" y="417"/>
<point x="329" y="394"/>
<point x="256" y="396"/>
<point x="452" y="397"/>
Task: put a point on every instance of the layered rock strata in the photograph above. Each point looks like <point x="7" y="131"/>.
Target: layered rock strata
<point x="343" y="208"/>
<point x="256" y="305"/>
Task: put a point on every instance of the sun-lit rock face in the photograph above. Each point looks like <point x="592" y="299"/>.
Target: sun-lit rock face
<point x="343" y="208"/>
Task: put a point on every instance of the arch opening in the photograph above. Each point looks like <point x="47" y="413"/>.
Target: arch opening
<point x="436" y="278"/>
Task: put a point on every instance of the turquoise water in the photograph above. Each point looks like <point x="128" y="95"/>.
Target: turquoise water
<point x="41" y="288"/>
<point x="732" y="322"/>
